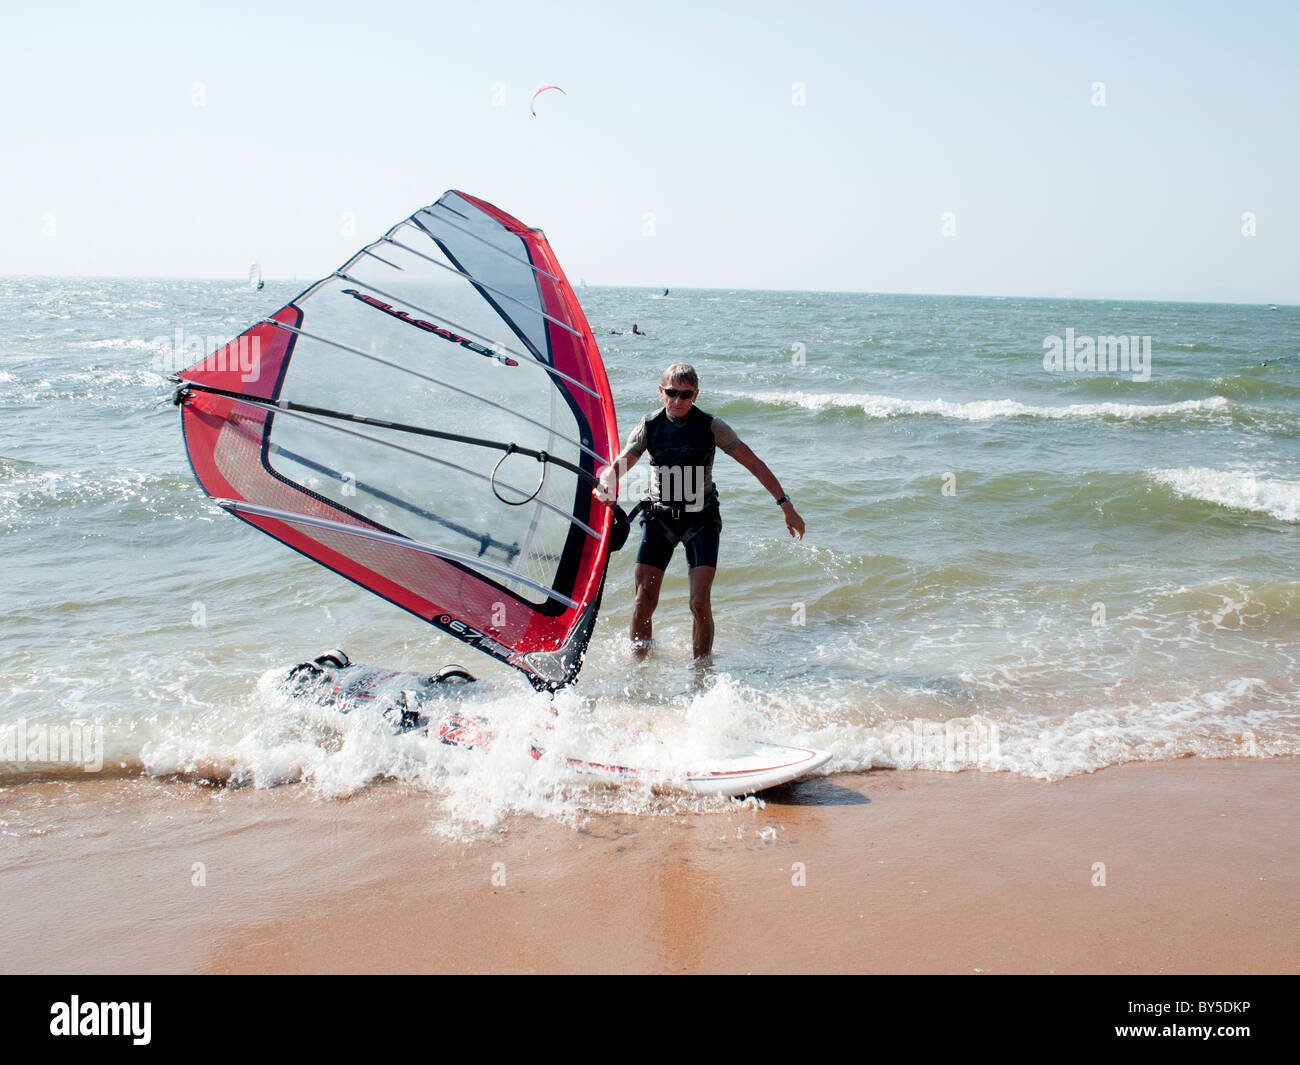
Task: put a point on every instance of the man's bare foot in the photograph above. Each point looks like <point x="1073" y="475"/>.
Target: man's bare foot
<point x="703" y="667"/>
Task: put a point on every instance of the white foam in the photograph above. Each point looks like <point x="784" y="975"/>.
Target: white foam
<point x="1235" y="721"/>
<point x="270" y="738"/>
<point x="19" y="488"/>
<point x="119" y="344"/>
<point x="882" y="406"/>
<point x="264" y="738"/>
<point x="1235" y="490"/>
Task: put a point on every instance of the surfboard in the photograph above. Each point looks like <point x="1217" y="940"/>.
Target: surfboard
<point x="425" y="702"/>
<point x="759" y="767"/>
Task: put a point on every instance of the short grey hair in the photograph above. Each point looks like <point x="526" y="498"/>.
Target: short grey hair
<point x="680" y="371"/>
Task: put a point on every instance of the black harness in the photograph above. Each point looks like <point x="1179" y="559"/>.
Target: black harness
<point x="660" y="514"/>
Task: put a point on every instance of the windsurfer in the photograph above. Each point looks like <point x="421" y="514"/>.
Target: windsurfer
<point x="682" y="441"/>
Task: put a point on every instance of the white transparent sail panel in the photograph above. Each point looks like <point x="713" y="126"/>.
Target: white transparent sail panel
<point x="402" y="337"/>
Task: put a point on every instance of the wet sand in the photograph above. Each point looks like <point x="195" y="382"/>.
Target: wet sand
<point x="1180" y="867"/>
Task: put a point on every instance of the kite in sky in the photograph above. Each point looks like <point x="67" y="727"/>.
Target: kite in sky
<point x="532" y="105"/>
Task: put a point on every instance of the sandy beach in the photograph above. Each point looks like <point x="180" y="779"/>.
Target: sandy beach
<point x="1180" y="867"/>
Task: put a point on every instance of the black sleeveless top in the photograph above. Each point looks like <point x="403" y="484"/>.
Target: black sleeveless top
<point x="681" y="457"/>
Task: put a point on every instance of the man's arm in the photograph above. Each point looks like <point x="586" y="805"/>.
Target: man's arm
<point x="607" y="491"/>
<point x="744" y="454"/>
<point x="610" y="475"/>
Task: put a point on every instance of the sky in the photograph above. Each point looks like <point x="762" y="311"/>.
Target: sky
<point x="1095" y="150"/>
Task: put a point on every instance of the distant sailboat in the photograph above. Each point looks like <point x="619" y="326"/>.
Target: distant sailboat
<point x="255" y="276"/>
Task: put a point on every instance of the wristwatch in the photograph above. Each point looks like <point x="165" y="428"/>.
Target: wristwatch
<point x="783" y="501"/>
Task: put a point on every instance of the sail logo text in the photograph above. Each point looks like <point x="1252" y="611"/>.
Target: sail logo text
<point x="1108" y="354"/>
<point x="471" y="635"/>
<point x="102" y="1018"/>
<point x="429" y="327"/>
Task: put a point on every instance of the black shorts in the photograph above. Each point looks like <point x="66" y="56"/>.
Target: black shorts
<point x="702" y="532"/>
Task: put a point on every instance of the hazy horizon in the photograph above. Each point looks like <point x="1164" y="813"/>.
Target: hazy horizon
<point x="578" y="287"/>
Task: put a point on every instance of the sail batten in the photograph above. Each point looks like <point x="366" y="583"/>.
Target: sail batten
<point x="373" y="255"/>
<point x="293" y="518"/>
<point x="414" y="452"/>
<point x="489" y="288"/>
<point x="448" y="385"/>
<point x="428" y="334"/>
<point x="488" y="243"/>
<point x="498" y="348"/>
<point x="486" y="543"/>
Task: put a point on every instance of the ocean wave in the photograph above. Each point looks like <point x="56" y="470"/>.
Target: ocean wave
<point x="101" y="385"/>
<point x="1234" y="490"/>
<point x="1255" y="389"/>
<point x="123" y="344"/>
<point x="882" y="406"/>
<point x="28" y="491"/>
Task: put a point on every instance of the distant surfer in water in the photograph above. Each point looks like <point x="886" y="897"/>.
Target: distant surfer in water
<point x="683" y="507"/>
<point x="624" y="332"/>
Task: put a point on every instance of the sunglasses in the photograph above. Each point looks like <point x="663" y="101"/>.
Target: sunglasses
<point x="678" y="393"/>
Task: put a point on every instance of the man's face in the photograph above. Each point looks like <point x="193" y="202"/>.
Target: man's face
<point x="678" y="406"/>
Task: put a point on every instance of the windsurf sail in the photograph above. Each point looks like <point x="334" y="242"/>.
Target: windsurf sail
<point x="255" y="276"/>
<point x="427" y="421"/>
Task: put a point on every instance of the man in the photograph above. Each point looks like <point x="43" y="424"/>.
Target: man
<point x="682" y="441"/>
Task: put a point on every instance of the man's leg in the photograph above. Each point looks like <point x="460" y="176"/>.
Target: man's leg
<point x="648" y="580"/>
<point x="702" y="609"/>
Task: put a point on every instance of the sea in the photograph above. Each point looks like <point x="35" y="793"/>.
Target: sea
<point x="1044" y="537"/>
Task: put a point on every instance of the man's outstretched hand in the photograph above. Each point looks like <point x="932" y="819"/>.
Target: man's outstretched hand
<point x="792" y="521"/>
